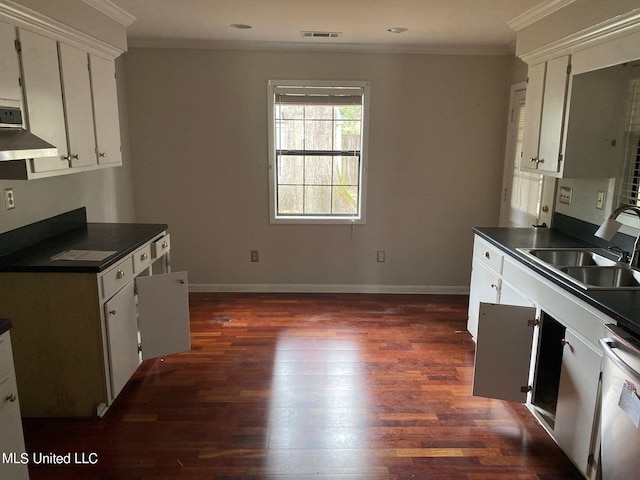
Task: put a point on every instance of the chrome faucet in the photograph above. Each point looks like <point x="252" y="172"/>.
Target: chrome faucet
<point x="610" y="226"/>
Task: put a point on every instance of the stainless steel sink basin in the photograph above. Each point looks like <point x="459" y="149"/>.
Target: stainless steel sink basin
<point x="568" y="257"/>
<point x="587" y="268"/>
<point x="616" y="277"/>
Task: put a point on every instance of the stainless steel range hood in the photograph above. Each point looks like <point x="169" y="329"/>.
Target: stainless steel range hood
<point x="16" y="143"/>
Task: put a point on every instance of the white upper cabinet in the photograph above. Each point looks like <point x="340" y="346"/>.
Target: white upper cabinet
<point x="546" y="105"/>
<point x="9" y="64"/>
<point x="76" y="88"/>
<point x="68" y="92"/>
<point x="43" y="99"/>
<point x="105" y="110"/>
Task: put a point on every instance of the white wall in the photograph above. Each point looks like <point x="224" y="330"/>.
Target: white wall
<point x="198" y="128"/>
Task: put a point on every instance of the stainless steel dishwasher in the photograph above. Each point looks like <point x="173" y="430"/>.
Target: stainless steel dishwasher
<point x="620" y="443"/>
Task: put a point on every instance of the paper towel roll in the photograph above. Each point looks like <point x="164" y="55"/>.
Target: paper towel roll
<point x="608" y="229"/>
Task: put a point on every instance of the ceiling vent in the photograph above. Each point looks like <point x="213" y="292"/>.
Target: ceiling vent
<point x="320" y="34"/>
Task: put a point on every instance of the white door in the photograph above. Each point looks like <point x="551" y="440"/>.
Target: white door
<point x="553" y="109"/>
<point x="9" y="64"/>
<point x="577" y="400"/>
<point x="122" y="337"/>
<point x="43" y="97"/>
<point x="521" y="190"/>
<point x="531" y="134"/>
<point x="105" y="109"/>
<point x="163" y="314"/>
<point x="77" y="101"/>
<point x="503" y="352"/>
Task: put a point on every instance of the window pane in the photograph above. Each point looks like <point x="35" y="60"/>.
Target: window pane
<point x="290" y="112"/>
<point x="318" y="112"/>
<point x="290" y="199"/>
<point x="347" y="135"/>
<point x="349" y="112"/>
<point x="290" y="169"/>
<point x="317" y="200"/>
<point x="318" y="135"/>
<point x="345" y="200"/>
<point x="317" y="170"/>
<point x="346" y="170"/>
<point x="289" y="134"/>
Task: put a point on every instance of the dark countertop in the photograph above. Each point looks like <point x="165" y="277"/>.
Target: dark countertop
<point x="621" y="305"/>
<point x="5" y="325"/>
<point x="123" y="238"/>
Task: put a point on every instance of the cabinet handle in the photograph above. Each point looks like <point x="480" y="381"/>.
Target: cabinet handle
<point x="181" y="281"/>
<point x="144" y="256"/>
<point x="493" y="285"/>
<point x="165" y="244"/>
<point x="119" y="274"/>
<point x="565" y="343"/>
<point x="112" y="312"/>
<point x="76" y="156"/>
<point x="65" y="157"/>
<point x="102" y="155"/>
<point x="486" y="254"/>
<point x="541" y="160"/>
<point x="533" y="159"/>
<point x="11" y="398"/>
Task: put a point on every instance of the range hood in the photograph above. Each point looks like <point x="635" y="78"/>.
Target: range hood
<point x="16" y="143"/>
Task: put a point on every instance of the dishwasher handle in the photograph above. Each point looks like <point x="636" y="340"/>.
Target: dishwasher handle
<point x="609" y="348"/>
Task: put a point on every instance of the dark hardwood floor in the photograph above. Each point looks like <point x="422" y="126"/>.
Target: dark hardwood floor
<point x="309" y="386"/>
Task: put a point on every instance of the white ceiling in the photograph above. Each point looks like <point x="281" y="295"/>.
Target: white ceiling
<point x="462" y="26"/>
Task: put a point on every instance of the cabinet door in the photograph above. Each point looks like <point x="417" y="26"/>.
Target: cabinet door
<point x="577" y="400"/>
<point x="105" y="109"/>
<point x="533" y="116"/>
<point x="485" y="287"/>
<point x="43" y="97"/>
<point x="503" y="352"/>
<point x="163" y="314"/>
<point x="77" y="101"/>
<point x="122" y="337"/>
<point x="9" y="64"/>
<point x="11" y="436"/>
<point x="553" y="109"/>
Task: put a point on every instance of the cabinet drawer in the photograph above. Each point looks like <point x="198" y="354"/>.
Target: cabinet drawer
<point x="488" y="255"/>
<point x="141" y="259"/>
<point x="117" y="277"/>
<point x="161" y="246"/>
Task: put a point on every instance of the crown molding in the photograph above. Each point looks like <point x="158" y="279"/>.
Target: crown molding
<point x="608" y="30"/>
<point x="113" y="11"/>
<point x="322" y="47"/>
<point x="24" y="17"/>
<point x="537" y="13"/>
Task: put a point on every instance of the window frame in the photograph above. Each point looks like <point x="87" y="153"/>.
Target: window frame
<point x="273" y="177"/>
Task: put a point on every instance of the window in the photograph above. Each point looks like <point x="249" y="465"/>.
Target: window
<point x="317" y="151"/>
<point x="630" y="188"/>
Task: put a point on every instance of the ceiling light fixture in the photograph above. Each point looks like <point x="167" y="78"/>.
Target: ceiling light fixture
<point x="240" y="26"/>
<point x="397" y="30"/>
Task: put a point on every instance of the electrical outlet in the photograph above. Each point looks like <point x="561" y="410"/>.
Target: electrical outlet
<point x="9" y="199"/>
<point x="255" y="256"/>
<point x="380" y="256"/>
<point x="565" y="195"/>
<point x="600" y="202"/>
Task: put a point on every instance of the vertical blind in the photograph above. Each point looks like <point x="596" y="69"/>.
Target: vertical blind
<point x="526" y="187"/>
<point x="630" y="188"/>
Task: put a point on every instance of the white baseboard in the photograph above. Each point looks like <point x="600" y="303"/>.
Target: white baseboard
<point x="329" y="288"/>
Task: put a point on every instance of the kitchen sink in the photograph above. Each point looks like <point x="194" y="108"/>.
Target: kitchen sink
<point x="568" y="257"/>
<point x="604" y="277"/>
<point x="588" y="268"/>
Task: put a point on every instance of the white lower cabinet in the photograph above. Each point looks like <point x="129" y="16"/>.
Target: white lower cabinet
<point x="11" y="436"/>
<point x="92" y="329"/>
<point x="158" y="325"/>
<point x="542" y="350"/>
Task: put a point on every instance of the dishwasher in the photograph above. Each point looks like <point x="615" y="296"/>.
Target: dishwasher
<point x="620" y="442"/>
